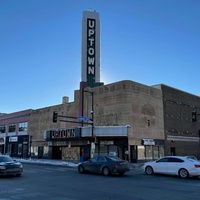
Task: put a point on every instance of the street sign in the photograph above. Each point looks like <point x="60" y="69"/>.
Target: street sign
<point x="83" y="118"/>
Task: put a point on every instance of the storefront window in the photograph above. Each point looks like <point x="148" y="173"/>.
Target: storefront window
<point x="150" y="152"/>
<point x="106" y="150"/>
<point x="46" y="149"/>
<point x="23" y="126"/>
<point x="2" y="128"/>
<point x="161" y="151"/>
<point x="103" y="150"/>
<point x="11" y="128"/>
<point x="155" y="152"/>
<point x="141" y="152"/>
<point x="96" y="151"/>
<point x="113" y="150"/>
<point x="34" y="151"/>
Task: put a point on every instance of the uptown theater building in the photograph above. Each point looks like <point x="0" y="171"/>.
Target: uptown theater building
<point x="128" y="122"/>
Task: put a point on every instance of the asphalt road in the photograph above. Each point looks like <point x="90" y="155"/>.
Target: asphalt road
<point x="41" y="182"/>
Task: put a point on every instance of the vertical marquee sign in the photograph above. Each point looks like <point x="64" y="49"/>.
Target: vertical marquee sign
<point x="91" y="50"/>
<point x="90" y="66"/>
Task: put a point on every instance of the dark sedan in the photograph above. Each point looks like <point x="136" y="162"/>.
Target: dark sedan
<point x="105" y="165"/>
<point x="10" y="167"/>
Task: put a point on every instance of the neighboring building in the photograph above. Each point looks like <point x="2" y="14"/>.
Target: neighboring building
<point x="182" y="135"/>
<point x="14" y="134"/>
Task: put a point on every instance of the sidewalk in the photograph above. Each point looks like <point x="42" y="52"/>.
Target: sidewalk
<point x="47" y="161"/>
<point x="63" y="162"/>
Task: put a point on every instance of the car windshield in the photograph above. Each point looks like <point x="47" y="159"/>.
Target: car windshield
<point x="5" y="159"/>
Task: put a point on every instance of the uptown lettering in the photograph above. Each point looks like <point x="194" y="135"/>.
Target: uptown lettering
<point x="91" y="47"/>
<point x="68" y="133"/>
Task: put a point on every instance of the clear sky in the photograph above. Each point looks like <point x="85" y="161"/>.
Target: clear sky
<point x="146" y="41"/>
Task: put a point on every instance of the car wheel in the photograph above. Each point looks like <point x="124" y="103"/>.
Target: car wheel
<point x="149" y="170"/>
<point x="81" y="169"/>
<point x="183" y="173"/>
<point x="105" y="171"/>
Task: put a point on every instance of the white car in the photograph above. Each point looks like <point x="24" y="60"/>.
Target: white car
<point x="174" y="165"/>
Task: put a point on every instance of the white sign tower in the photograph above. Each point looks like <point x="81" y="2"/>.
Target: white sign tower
<point x="90" y="63"/>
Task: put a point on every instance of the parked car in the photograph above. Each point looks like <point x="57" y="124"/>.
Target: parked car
<point x="105" y="165"/>
<point x="174" y="165"/>
<point x="8" y="166"/>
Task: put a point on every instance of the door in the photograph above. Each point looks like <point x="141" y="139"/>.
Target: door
<point x="161" y="166"/>
<point x="91" y="164"/>
<point x="100" y="161"/>
<point x="56" y="153"/>
<point x="133" y="154"/>
<point x="40" y="151"/>
<point x="174" y="165"/>
<point x="173" y="151"/>
<point x="25" y="151"/>
<point x="12" y="150"/>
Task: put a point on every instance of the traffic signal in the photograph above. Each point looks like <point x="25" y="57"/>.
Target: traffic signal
<point x="194" y="116"/>
<point x="55" y="117"/>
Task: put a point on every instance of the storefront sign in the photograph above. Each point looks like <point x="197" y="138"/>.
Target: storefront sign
<point x="148" y="142"/>
<point x="13" y="139"/>
<point x="105" y="142"/>
<point x="64" y="133"/>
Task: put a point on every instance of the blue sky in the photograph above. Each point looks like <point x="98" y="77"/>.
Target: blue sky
<point x="146" y="41"/>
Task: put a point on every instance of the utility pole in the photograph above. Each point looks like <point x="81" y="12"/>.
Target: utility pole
<point x="92" y="150"/>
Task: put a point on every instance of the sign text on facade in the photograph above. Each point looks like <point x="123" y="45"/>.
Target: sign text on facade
<point x="63" y="133"/>
<point x="91" y="49"/>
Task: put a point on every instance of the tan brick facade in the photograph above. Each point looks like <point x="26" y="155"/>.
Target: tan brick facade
<point x="116" y="104"/>
<point x="130" y="103"/>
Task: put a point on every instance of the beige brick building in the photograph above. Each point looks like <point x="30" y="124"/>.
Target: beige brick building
<point x="118" y="104"/>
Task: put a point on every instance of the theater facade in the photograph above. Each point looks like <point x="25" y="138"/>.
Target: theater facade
<point x="137" y="107"/>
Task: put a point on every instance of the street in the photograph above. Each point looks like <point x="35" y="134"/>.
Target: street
<point x="65" y="183"/>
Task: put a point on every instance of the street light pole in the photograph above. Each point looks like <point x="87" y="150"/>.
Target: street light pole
<point x="92" y="119"/>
